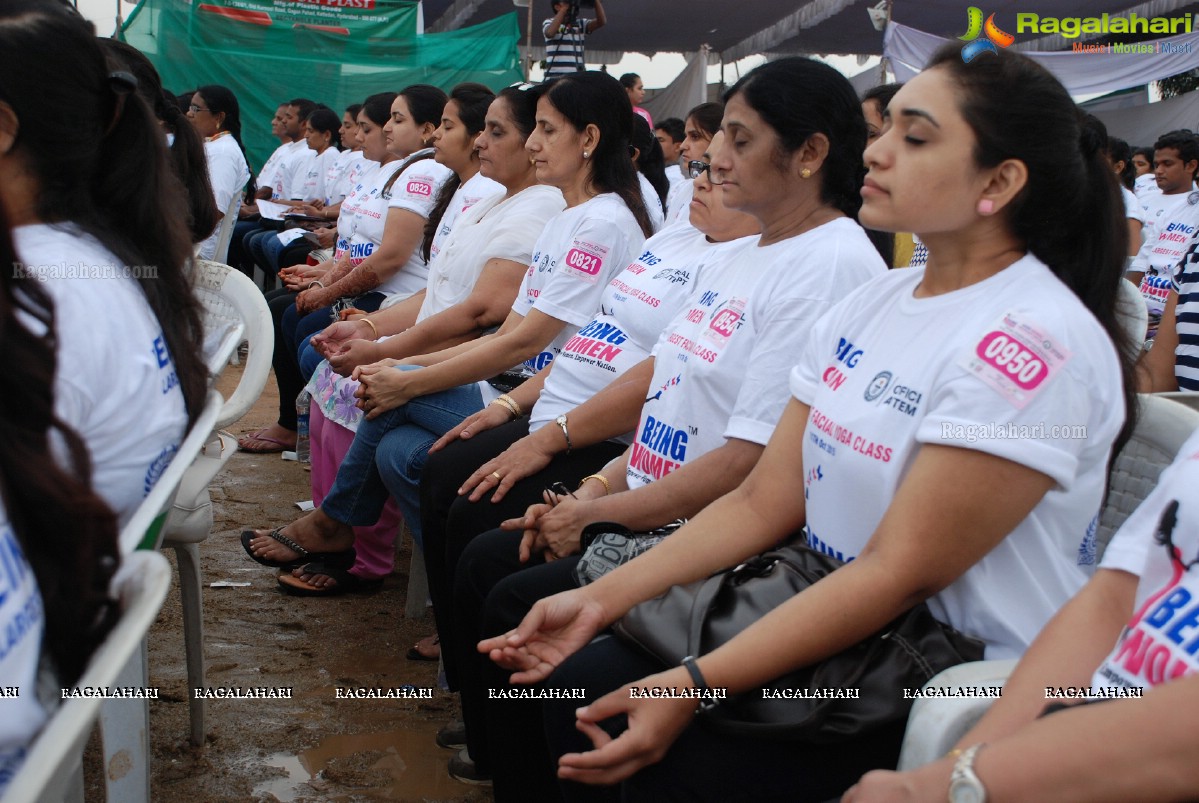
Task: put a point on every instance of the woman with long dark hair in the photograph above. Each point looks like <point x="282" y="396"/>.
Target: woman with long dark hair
<point x="1011" y="324"/>
<point x="216" y="116"/>
<point x="101" y="219"/>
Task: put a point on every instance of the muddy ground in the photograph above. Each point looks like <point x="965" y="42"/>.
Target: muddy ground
<point x="312" y="747"/>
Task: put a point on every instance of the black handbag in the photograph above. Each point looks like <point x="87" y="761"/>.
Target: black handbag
<point x="699" y="617"/>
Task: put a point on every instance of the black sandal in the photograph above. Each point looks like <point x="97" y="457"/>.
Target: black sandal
<point x="340" y="560"/>
<point x="346" y="583"/>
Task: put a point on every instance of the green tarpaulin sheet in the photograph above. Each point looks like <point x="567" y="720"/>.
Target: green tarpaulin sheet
<point x="335" y="52"/>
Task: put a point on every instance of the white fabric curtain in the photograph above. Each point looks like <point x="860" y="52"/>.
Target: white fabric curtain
<point x="1142" y="125"/>
<point x="685" y="92"/>
<point x="1081" y="73"/>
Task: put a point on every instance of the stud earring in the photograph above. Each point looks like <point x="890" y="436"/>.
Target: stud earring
<point x="586" y="155"/>
<point x="986" y="207"/>
<point x="806" y="173"/>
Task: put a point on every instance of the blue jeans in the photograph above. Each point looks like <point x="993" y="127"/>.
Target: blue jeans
<point x="264" y="248"/>
<point x="298" y="329"/>
<point x="389" y="453"/>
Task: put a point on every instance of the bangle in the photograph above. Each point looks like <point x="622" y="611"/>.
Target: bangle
<point x="603" y="481"/>
<point x="317" y="282"/>
<point x="371" y="324"/>
<point x="507" y="405"/>
<point x="707" y="701"/>
<point x="513" y="405"/>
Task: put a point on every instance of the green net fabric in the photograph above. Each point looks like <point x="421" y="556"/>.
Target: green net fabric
<point x="335" y="52"/>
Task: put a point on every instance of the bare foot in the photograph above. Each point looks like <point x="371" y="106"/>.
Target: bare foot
<point x="316" y="532"/>
<point x="268" y="439"/>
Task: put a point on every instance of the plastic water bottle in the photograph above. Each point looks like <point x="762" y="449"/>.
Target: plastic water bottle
<point x="303" y="452"/>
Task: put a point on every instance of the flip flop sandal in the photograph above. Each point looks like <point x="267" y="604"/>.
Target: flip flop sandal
<point x="416" y="654"/>
<point x="346" y="583"/>
<point x="341" y="560"/>
<point x="277" y="445"/>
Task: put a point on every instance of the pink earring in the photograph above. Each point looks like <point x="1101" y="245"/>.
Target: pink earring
<point x="986" y="207"/>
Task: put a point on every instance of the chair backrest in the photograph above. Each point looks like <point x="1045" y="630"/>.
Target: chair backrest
<point x="1182" y="397"/>
<point x="143" y="530"/>
<point x="225" y="231"/>
<point x="1162" y="427"/>
<point x="233" y="303"/>
<point x="51" y="766"/>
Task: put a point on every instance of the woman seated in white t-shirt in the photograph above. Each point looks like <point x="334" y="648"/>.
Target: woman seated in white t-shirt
<point x="380" y="225"/>
<point x="1120" y="155"/>
<point x="892" y="450"/>
<point x="216" y="116"/>
<point x="47" y="511"/>
<point x="120" y="355"/>
<point x="480" y="260"/>
<point x="581" y="147"/>
<point x="702" y="123"/>
<point x="1129" y="632"/>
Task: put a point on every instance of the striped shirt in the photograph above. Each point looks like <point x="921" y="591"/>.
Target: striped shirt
<point x="1186" y="356"/>
<point x="564" y="48"/>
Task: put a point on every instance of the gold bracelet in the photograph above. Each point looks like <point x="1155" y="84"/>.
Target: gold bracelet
<point x="507" y="405"/>
<point x="515" y="406"/>
<point x="371" y="324"/>
<point x="603" y="480"/>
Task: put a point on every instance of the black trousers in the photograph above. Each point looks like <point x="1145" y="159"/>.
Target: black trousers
<point x="704" y="764"/>
<point x="450" y="523"/>
<point x="287" y="369"/>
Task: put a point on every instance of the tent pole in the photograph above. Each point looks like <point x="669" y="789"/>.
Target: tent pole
<point x="529" y="43"/>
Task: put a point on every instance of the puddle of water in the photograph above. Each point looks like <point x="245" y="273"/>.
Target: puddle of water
<point x="415" y="765"/>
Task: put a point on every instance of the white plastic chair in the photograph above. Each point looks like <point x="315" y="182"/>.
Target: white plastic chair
<point x="1181" y="397"/>
<point x="234" y="311"/>
<point x="225" y="230"/>
<point x="125" y="723"/>
<point x="1133" y="316"/>
<point x="936" y="724"/>
<point x="53" y="768"/>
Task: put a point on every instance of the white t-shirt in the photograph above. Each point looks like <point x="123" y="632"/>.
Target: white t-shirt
<point x="115" y="383"/>
<point x="674" y="174"/>
<point x="1170" y="224"/>
<point x="23" y="623"/>
<point x="653" y="204"/>
<point x="266" y="176"/>
<point x="1132" y="206"/>
<point x="985" y="368"/>
<point x="320" y="171"/>
<point x="636" y="306"/>
<point x="720" y="367"/>
<point x="475" y="189"/>
<point x="350" y="166"/>
<point x="416" y="191"/>
<point x="228" y="173"/>
<point x="363" y="217"/>
<point x="1145" y="185"/>
<point x="492" y="228"/>
<point x="678" y="202"/>
<point x="488" y="230"/>
<point x="578" y="253"/>
<point x="1159" y="643"/>
<point x="291" y="170"/>
<point x="1170" y="221"/>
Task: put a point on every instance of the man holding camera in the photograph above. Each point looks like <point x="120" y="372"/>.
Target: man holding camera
<point x="564" y="35"/>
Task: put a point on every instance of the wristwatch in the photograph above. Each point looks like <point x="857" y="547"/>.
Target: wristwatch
<point x="561" y="422"/>
<point x="964" y="785"/>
